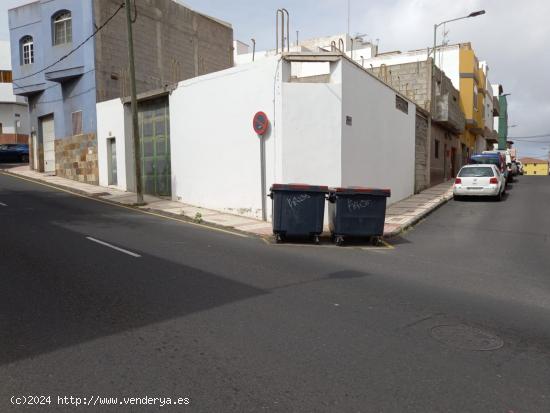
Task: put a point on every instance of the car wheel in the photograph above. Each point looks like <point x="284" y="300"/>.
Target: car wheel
<point x="457" y="197"/>
<point x="24" y="158"/>
<point x="498" y="198"/>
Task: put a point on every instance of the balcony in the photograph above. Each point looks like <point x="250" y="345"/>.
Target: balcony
<point x="64" y="75"/>
<point x="448" y="113"/>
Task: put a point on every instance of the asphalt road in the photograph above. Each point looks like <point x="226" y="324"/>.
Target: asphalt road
<point x="455" y="318"/>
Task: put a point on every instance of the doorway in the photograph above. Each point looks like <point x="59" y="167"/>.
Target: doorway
<point x="111" y="159"/>
<point x="154" y="134"/>
<point x="47" y="137"/>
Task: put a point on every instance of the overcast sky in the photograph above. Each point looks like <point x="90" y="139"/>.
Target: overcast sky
<point x="513" y="37"/>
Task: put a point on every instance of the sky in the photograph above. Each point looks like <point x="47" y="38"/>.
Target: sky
<point x="512" y="37"/>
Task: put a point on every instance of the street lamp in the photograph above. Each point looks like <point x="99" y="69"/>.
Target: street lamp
<point x="473" y="14"/>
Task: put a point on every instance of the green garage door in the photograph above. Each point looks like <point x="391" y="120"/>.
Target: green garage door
<point x="154" y="133"/>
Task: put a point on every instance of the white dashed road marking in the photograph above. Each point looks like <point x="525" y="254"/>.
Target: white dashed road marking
<point x="133" y="254"/>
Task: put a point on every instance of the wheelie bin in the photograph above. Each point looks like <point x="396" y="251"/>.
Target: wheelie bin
<point x="357" y="212"/>
<point x="298" y="210"/>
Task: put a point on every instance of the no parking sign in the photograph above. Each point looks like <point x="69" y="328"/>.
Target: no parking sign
<point x="260" y="123"/>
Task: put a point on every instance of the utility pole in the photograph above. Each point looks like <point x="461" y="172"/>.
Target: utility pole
<point x="135" y="128"/>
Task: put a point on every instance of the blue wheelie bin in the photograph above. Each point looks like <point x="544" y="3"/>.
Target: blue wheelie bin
<point x="298" y="210"/>
<point x="357" y="212"/>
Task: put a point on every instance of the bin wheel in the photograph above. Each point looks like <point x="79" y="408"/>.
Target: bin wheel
<point x="278" y="238"/>
<point x="316" y="239"/>
<point x="375" y="241"/>
<point x="339" y="240"/>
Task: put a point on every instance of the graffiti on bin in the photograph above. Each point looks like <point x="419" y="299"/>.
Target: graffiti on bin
<point x="297" y="200"/>
<point x="355" y="205"/>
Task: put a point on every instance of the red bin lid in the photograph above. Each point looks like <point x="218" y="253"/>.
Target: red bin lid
<point x="299" y="187"/>
<point x="362" y="190"/>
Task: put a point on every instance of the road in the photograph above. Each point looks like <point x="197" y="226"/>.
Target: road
<point x="454" y="318"/>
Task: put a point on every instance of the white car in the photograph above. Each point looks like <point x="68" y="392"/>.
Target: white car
<point x="479" y="180"/>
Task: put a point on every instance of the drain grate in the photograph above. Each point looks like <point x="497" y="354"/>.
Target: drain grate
<point x="465" y="337"/>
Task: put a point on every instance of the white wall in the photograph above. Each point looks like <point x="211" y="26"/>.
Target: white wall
<point x="378" y="148"/>
<point x="8" y="112"/>
<point x="312" y="125"/>
<point x="5" y="55"/>
<point x="110" y="124"/>
<point x="215" y="152"/>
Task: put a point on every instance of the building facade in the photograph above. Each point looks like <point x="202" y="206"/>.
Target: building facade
<point x="423" y="82"/>
<point x="14" y="113"/>
<point x="501" y="116"/>
<point x="462" y="67"/>
<point x="64" y="69"/>
<point x="337" y="126"/>
<point x="534" y="166"/>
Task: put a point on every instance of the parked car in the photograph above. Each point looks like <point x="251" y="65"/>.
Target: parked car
<point x="520" y="167"/>
<point x="14" y="152"/>
<point x="515" y="168"/>
<point x="479" y="180"/>
<point x="507" y="160"/>
<point x="495" y="158"/>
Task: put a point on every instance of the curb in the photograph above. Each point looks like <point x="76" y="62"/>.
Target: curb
<point x="143" y="208"/>
<point x="444" y="199"/>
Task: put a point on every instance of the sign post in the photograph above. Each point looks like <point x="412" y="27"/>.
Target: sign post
<point x="260" y="123"/>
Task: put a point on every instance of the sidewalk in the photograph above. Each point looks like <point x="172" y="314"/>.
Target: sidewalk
<point x="399" y="216"/>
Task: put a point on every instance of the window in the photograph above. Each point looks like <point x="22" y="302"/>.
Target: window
<point x="401" y="104"/>
<point x="436" y="151"/>
<point x="475" y="97"/>
<point x="62" y="28"/>
<point x="476" y="172"/>
<point x="5" y="76"/>
<point x="77" y="122"/>
<point x="27" y="50"/>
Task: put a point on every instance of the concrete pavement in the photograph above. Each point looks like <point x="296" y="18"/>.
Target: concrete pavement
<point x="399" y="216"/>
<point x="455" y="318"/>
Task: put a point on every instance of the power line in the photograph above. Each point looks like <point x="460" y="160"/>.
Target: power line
<point x="50" y="87"/>
<point x="76" y="48"/>
<point x="545" y="135"/>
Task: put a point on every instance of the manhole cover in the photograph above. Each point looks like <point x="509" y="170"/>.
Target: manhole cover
<point x="466" y="338"/>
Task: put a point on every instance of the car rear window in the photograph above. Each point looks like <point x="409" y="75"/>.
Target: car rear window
<point x="476" y="171"/>
<point x="486" y="159"/>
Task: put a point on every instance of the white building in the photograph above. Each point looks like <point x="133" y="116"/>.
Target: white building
<point x="341" y="126"/>
<point x="14" y="113"/>
<point x="356" y="48"/>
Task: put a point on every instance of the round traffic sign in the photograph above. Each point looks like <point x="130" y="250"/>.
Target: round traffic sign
<point x="260" y="123"/>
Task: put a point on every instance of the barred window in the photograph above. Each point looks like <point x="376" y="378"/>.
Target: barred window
<point x="401" y="104"/>
<point x="27" y="50"/>
<point x="77" y="122"/>
<point x="62" y="28"/>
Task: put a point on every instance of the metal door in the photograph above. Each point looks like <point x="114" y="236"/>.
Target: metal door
<point x="34" y="150"/>
<point x="113" y="176"/>
<point x="154" y="133"/>
<point x="47" y="132"/>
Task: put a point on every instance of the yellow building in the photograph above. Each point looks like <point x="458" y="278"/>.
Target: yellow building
<point x="472" y="97"/>
<point x="533" y="166"/>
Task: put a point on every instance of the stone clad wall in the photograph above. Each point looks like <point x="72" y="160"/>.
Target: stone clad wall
<point x="76" y="158"/>
<point x="420" y="153"/>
